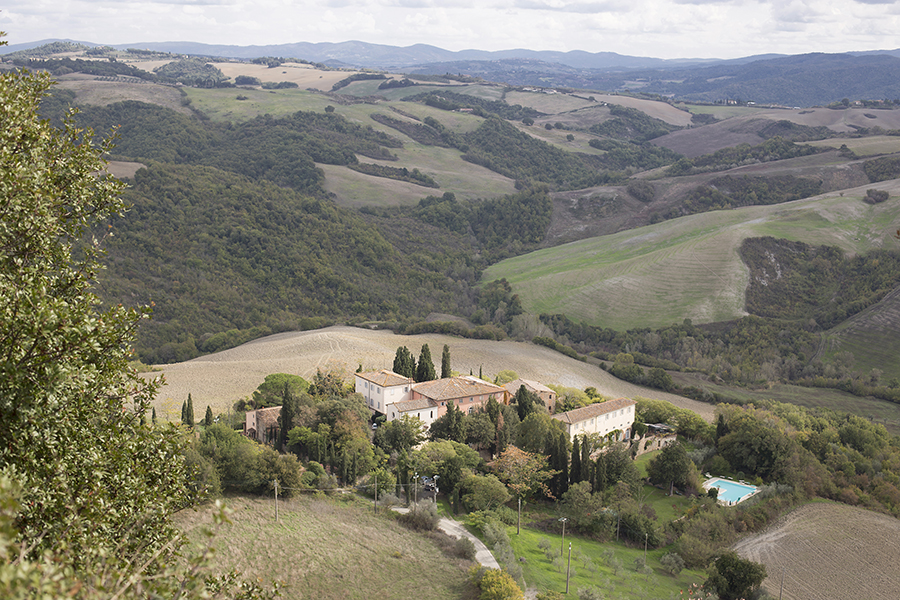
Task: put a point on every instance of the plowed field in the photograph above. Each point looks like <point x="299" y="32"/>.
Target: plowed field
<point x="829" y="551"/>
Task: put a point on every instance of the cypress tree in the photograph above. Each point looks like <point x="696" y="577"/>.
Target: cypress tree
<point x="524" y="402"/>
<point x="425" y="369"/>
<point x="563" y="463"/>
<point x="208" y="419"/>
<point x="285" y="418"/>
<point x="190" y="412"/>
<point x="404" y="364"/>
<point x="585" y="460"/>
<point x="184" y="413"/>
<point x="576" y="462"/>
<point x="445" y="362"/>
<point x="153" y="416"/>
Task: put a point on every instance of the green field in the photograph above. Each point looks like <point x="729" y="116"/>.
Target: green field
<point x="331" y="549"/>
<point x="863" y="146"/>
<point x="608" y="566"/>
<point x="688" y="267"/>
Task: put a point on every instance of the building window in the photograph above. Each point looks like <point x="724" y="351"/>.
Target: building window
<point x="431" y="414"/>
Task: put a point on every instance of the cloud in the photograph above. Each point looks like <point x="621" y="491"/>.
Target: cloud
<point x="590" y="8"/>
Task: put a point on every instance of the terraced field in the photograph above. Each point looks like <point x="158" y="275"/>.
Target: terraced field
<point x="660" y="274"/>
<point x="827" y="550"/>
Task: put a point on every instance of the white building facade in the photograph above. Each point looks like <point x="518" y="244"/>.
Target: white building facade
<point x="383" y="388"/>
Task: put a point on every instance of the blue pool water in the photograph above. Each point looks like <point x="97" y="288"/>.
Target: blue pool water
<point x="731" y="492"/>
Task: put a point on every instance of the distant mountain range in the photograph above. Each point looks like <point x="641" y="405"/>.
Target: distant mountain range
<point x="799" y="80"/>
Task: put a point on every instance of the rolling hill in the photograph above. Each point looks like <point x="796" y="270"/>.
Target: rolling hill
<point x="628" y="279"/>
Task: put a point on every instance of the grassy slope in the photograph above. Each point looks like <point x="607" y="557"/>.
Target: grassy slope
<point x="326" y="549"/>
<point x="589" y="567"/>
<point x="689" y="267"/>
<point x="354" y="189"/>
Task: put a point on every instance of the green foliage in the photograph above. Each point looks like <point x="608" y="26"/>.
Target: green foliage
<point x="447" y="100"/>
<point x="729" y="192"/>
<point x="247" y="80"/>
<point x="733" y="577"/>
<point x="400" y="174"/>
<point x="422" y="516"/>
<point x="501" y="147"/>
<point x="772" y="149"/>
<point x="430" y="132"/>
<point x="272" y="390"/>
<point x="876" y="196"/>
<point x="496" y="584"/>
<point x="621" y="155"/>
<point x="792" y="280"/>
<point x="631" y="124"/>
<point x="356" y="77"/>
<point x="483" y="492"/>
<point x="62" y="66"/>
<point x="672" y="466"/>
<point x="445" y="363"/>
<point x="641" y="189"/>
<point x="404" y="363"/>
<point x="882" y="169"/>
<point x="191" y="71"/>
<point x="87" y="488"/>
<point x="425" y="366"/>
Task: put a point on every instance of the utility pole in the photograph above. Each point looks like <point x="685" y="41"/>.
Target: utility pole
<point x="562" y="542"/>
<point x="519" y="518"/>
<point x="568" y="566"/>
<point x="646" y="535"/>
<point x="376" y="493"/>
<point x="276" y="500"/>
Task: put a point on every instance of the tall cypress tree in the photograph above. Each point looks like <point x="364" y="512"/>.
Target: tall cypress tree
<point x="563" y="463"/>
<point x="190" y="412"/>
<point x="184" y="413"/>
<point x="404" y="364"/>
<point x="425" y="369"/>
<point x="586" y="470"/>
<point x="208" y="418"/>
<point x="445" y="362"/>
<point x="575" y="472"/>
<point x="285" y="418"/>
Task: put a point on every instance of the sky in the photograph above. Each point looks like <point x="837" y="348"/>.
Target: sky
<point x="653" y="28"/>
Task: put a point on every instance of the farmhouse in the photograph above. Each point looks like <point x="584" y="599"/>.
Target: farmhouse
<point x="262" y="424"/>
<point x="429" y="400"/>
<point x="613" y="417"/>
<point x="383" y="388"/>
<point x="546" y="394"/>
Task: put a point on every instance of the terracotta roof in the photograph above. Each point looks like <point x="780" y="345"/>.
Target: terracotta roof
<point x="593" y="410"/>
<point x="413" y="404"/>
<point x="385" y="378"/>
<point x="513" y="386"/>
<point x="452" y="388"/>
<point x="267" y="417"/>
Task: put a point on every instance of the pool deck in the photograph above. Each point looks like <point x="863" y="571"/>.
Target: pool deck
<point x="710" y="483"/>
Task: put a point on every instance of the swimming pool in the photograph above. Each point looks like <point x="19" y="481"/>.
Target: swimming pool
<point x="730" y="492"/>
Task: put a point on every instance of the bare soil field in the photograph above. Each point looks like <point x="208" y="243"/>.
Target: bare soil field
<point x="305" y="76"/>
<point x="828" y="550"/>
<point x="221" y="379"/>
<point x="742" y="129"/>
<point x="92" y="91"/>
<point x="122" y="169"/>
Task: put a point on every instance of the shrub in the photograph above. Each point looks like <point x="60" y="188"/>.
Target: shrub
<point x="422" y="516"/>
<point x="464" y="548"/>
<point x="876" y="196"/>
<point x="496" y="585"/>
<point x="672" y="563"/>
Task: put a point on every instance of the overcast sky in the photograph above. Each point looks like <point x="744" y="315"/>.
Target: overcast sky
<point x="657" y="28"/>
